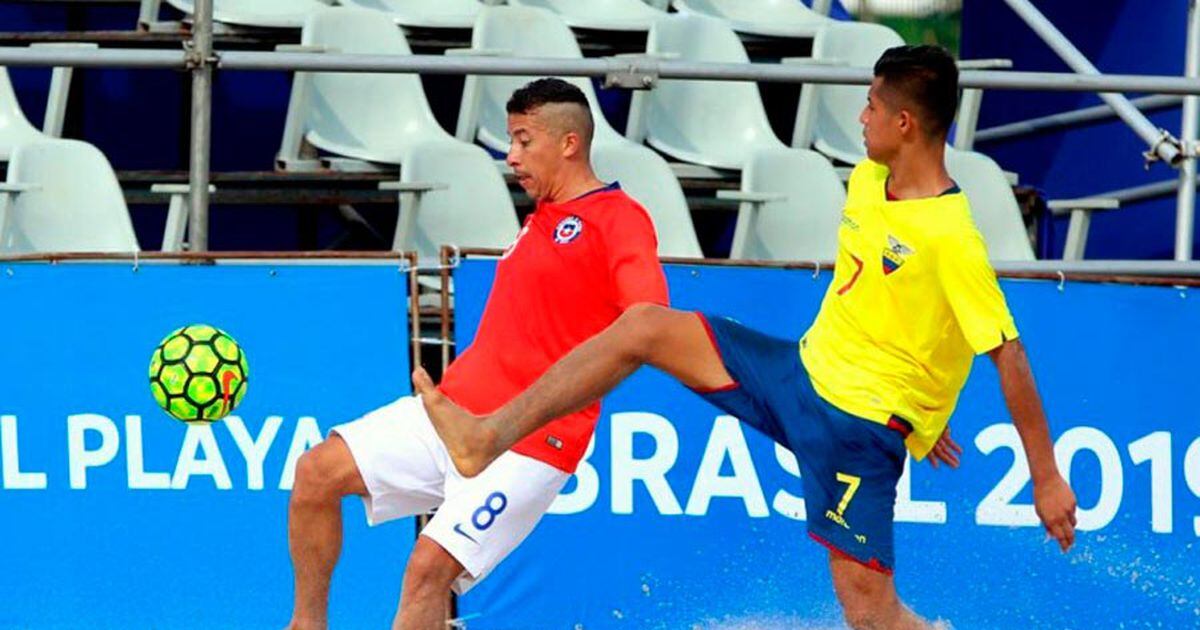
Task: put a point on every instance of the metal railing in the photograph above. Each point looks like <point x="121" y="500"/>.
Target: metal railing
<point x="201" y="59"/>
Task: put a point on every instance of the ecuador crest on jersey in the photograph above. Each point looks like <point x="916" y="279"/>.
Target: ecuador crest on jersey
<point x="895" y="254"/>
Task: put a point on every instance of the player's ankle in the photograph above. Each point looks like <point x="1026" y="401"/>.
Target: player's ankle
<point x="308" y="623"/>
<point x="490" y="438"/>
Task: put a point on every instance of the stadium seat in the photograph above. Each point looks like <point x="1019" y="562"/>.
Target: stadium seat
<point x="993" y="205"/>
<point x="649" y="179"/>
<point x="385" y="118"/>
<point x="62" y="195"/>
<point x="714" y="123"/>
<point x="15" y="128"/>
<point x="791" y="204"/>
<point x="724" y="125"/>
<point x="425" y="13"/>
<point x="531" y="32"/>
<point x="261" y="13"/>
<point x="782" y="18"/>
<point x="996" y="214"/>
<point x="827" y="117"/>
<point x="604" y="15"/>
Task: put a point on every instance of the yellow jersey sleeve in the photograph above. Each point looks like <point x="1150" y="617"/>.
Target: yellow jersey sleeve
<point x="970" y="286"/>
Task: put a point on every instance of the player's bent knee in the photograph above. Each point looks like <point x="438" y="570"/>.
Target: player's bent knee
<point x="327" y="471"/>
<point x="642" y="326"/>
<point x="430" y="570"/>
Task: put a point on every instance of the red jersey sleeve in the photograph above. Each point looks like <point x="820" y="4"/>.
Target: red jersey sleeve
<point x="632" y="248"/>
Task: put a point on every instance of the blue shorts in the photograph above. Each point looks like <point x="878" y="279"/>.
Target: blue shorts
<point x="849" y="466"/>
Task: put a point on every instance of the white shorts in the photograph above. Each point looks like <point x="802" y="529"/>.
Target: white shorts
<point x="407" y="471"/>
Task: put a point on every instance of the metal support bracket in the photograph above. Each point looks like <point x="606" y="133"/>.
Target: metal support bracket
<point x="1153" y="155"/>
<point x="629" y="75"/>
<point x="192" y="58"/>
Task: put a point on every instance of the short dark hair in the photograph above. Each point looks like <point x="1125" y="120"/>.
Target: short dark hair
<point x="544" y="91"/>
<point x="927" y="77"/>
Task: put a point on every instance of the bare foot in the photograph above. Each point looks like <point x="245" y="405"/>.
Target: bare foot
<point x="468" y="438"/>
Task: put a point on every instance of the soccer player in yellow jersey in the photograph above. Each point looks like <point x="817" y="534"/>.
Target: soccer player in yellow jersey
<point x="912" y="301"/>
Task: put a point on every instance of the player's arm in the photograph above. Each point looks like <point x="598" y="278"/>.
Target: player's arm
<point x="974" y="294"/>
<point x="631" y="248"/>
<point x="1052" y="496"/>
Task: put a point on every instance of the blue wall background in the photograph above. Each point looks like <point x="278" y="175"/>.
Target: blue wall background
<point x="678" y="517"/>
<point x="202" y="543"/>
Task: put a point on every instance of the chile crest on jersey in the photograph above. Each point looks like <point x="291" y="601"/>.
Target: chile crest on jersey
<point x="568" y="230"/>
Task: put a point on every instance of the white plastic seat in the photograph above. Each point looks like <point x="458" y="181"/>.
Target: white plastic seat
<point x="646" y="177"/>
<point x="15" y="128"/>
<point x="425" y="13"/>
<point x="643" y="174"/>
<point x="828" y="114"/>
<point x="792" y="203"/>
<point x="450" y="191"/>
<point x="787" y="195"/>
<point x="474" y="209"/>
<point x="521" y="32"/>
<point x="377" y="117"/>
<point x="993" y="205"/>
<point x="60" y="196"/>
<point x="605" y="15"/>
<point x="264" y="13"/>
<point x="782" y="18"/>
<point x="714" y="123"/>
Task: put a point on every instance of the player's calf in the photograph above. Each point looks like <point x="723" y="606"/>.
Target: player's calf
<point x="323" y="476"/>
<point x="868" y="598"/>
<point x="425" y="595"/>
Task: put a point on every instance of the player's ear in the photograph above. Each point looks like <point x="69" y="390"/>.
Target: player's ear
<point x="906" y="122"/>
<point x="571" y="144"/>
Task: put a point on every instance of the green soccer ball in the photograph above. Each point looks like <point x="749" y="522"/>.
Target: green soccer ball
<point x="198" y="374"/>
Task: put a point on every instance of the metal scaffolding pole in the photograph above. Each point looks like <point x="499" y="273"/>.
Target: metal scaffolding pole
<point x="1162" y="145"/>
<point x="1141" y="192"/>
<point x="199" y="58"/>
<point x="1185" y="209"/>
<point x="1115" y="267"/>
<point x="665" y="69"/>
<point x="91" y="57"/>
<point x="1067" y="119"/>
<point x="602" y="67"/>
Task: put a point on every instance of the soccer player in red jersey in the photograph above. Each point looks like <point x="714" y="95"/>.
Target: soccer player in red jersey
<point x="586" y="254"/>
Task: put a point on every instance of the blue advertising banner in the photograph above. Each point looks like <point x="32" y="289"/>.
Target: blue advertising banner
<point x="118" y="516"/>
<point x="679" y="517"/>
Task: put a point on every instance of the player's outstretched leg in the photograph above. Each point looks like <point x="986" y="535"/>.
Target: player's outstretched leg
<point x="676" y="342"/>
<point x="869" y="599"/>
<point x="324" y="475"/>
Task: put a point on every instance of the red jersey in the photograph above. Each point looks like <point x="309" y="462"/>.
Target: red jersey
<point x="572" y="270"/>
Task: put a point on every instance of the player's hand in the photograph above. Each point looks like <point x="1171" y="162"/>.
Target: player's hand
<point x="1055" y="504"/>
<point x="945" y="451"/>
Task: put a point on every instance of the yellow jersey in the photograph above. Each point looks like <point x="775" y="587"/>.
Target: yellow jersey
<point x="912" y="301"/>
